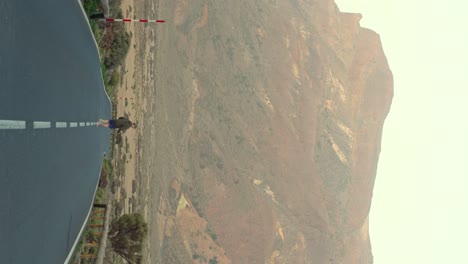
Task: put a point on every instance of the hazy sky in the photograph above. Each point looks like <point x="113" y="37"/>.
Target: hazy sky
<point x="419" y="211"/>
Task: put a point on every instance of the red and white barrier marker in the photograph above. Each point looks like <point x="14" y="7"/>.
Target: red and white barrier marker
<point x="133" y="20"/>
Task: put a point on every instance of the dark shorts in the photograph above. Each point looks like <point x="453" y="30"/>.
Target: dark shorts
<point x="111" y="123"/>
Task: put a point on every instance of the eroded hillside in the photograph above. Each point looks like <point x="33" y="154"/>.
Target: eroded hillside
<point x="265" y="133"/>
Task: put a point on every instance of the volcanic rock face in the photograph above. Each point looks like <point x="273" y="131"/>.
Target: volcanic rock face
<point x="284" y="116"/>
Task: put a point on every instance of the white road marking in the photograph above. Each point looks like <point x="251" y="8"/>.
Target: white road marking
<point x="61" y="124"/>
<point x="19" y="124"/>
<point x="40" y="124"/>
<point x="12" y="124"/>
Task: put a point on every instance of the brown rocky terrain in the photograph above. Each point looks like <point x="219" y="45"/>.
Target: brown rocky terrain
<point x="261" y="132"/>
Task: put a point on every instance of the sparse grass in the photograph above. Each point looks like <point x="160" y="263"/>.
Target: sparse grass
<point x="213" y="236"/>
<point x="213" y="261"/>
<point x="100" y="195"/>
<point x="134" y="186"/>
<point x="114" y="79"/>
<point x="91" y="6"/>
<point x="113" y="42"/>
<point x="117" y="42"/>
<point x="107" y="166"/>
<point x="123" y="193"/>
<point x="127" y="146"/>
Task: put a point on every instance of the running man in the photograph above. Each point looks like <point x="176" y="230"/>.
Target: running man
<point x="121" y="124"/>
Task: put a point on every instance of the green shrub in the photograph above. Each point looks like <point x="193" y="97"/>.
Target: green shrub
<point x="127" y="235"/>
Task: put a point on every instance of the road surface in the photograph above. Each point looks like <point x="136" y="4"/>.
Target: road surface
<point x="51" y="94"/>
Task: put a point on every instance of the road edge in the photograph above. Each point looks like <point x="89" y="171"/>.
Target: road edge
<point x="73" y="248"/>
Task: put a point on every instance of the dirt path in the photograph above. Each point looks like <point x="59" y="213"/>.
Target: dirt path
<point x="132" y="103"/>
<point x="135" y="100"/>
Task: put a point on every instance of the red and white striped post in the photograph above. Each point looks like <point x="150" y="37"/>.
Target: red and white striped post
<point x="133" y="20"/>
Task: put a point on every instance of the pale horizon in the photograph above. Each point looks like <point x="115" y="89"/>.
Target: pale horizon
<point x="419" y="211"/>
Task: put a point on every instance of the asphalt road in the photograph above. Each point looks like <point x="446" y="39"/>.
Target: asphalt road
<point x="51" y="94"/>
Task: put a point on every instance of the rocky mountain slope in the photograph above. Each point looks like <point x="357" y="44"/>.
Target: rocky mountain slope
<point x="268" y="117"/>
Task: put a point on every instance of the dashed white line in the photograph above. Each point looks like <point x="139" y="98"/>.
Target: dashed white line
<point x="40" y="124"/>
<point x="20" y="124"/>
<point x="61" y="124"/>
<point x="12" y="124"/>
